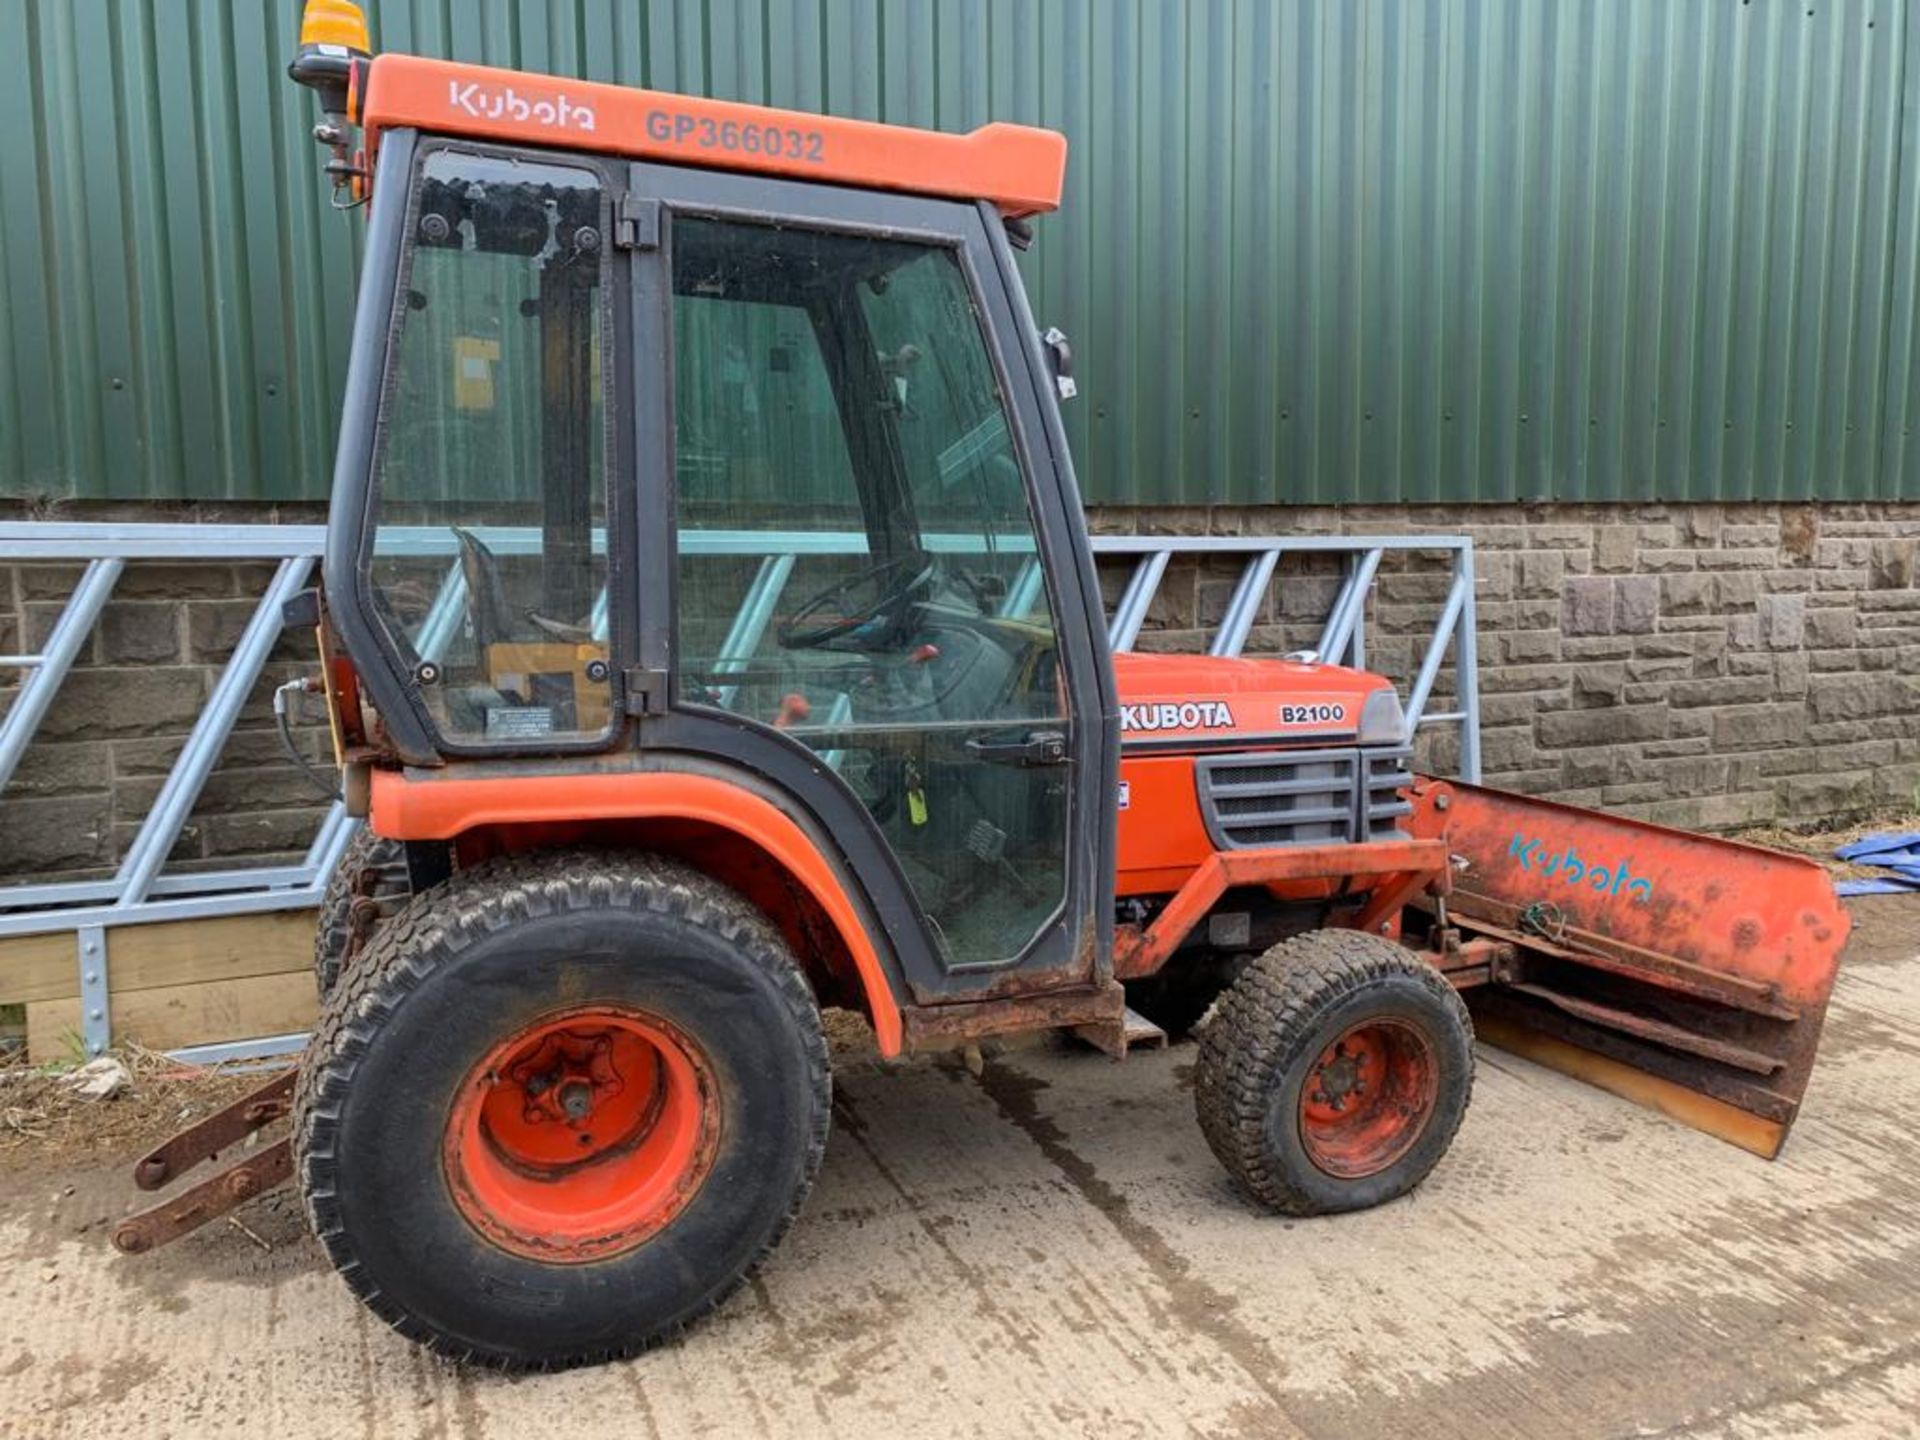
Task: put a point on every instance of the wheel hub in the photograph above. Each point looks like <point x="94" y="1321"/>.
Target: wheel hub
<point x="1340" y="1075"/>
<point x="568" y="1075"/>
<point x="582" y="1135"/>
<point x="1368" y="1098"/>
<point x="576" y="1101"/>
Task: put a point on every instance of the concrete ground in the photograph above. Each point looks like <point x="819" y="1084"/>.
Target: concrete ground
<point x="1050" y="1249"/>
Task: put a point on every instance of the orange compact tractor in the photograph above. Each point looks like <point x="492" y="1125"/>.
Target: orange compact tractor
<point x="711" y="633"/>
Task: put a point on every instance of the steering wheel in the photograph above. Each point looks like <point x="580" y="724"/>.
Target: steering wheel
<point x="897" y="582"/>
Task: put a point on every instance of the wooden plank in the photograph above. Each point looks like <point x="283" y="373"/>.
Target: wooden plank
<point x="168" y="1017"/>
<point x="38" y="967"/>
<point x="185" y="952"/>
<point x="53" y="1031"/>
<point x="147" y="957"/>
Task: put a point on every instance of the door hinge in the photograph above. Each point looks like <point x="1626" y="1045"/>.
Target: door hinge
<point x="636" y="223"/>
<point x="646" y="691"/>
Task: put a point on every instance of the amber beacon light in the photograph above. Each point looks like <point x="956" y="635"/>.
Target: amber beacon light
<point x="334" y="49"/>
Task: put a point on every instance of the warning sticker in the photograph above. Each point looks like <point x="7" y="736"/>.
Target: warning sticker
<point x="519" y="722"/>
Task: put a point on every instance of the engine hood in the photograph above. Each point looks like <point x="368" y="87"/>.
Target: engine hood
<point x="1208" y="701"/>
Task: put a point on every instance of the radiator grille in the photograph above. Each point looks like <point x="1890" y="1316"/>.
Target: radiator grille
<point x="1388" y="772"/>
<point x="1303" y="797"/>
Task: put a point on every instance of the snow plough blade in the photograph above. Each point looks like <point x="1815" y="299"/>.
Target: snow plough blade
<point x="1682" y="971"/>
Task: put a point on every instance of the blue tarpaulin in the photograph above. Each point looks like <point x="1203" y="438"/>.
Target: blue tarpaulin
<point x="1898" y="854"/>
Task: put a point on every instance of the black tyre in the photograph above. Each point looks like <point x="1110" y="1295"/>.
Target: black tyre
<point x="1178" y="998"/>
<point x="561" y="1106"/>
<point x="1335" y="1073"/>
<point x="371" y="868"/>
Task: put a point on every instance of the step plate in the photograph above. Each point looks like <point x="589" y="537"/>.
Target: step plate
<point x="1133" y="1031"/>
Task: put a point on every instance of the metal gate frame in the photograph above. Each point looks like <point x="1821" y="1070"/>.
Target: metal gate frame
<point x="140" y="892"/>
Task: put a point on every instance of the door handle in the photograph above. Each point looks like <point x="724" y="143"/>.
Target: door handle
<point x="1042" y="747"/>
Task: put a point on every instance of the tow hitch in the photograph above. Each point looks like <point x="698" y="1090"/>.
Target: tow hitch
<point x="254" y="1174"/>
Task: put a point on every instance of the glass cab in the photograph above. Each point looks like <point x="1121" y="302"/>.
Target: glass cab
<point x="661" y="461"/>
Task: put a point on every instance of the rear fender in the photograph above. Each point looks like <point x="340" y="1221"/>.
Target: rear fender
<point x="447" y="806"/>
<point x="1683" y="971"/>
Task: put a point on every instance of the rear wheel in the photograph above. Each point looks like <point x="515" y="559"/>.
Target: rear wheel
<point x="1335" y="1073"/>
<point x="560" y="1107"/>
<point x="369" y="883"/>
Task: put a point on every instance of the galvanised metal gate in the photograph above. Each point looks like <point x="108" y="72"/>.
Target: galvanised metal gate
<point x="141" y="891"/>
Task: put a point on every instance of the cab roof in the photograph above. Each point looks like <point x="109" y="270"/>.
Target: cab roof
<point x="1019" y="168"/>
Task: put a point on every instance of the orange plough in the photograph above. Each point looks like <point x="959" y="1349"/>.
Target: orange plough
<point x="1683" y="971"/>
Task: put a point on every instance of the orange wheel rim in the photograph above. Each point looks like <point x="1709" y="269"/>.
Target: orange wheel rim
<point x="1368" y="1098"/>
<point x="582" y="1135"/>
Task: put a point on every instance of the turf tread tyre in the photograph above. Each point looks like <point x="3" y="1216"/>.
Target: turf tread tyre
<point x="430" y="931"/>
<point x="1273" y="1022"/>
<point x="333" y="929"/>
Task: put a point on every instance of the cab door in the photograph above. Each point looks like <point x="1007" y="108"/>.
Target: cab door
<point x="876" y="567"/>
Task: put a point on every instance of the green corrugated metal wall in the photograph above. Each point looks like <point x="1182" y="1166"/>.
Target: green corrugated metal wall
<point x="1345" y="250"/>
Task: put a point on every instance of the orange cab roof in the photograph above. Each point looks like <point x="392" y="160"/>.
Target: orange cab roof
<point x="1017" y="167"/>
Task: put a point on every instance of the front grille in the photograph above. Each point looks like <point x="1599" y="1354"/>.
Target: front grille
<point x="1303" y="797"/>
<point x="1388" y="773"/>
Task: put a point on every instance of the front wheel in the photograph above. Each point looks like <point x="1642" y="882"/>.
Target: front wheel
<point x="561" y="1107"/>
<point x="1335" y="1073"/>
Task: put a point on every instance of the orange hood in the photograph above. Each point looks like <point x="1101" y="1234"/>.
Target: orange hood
<point x="1186" y="701"/>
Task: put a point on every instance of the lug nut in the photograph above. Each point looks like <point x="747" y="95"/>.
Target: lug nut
<point x="576" y="1098"/>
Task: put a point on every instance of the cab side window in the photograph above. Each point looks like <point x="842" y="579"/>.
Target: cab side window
<point x="857" y="559"/>
<point x="489" y="559"/>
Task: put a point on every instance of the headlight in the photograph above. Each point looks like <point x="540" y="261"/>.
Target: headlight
<point x="1382" y="721"/>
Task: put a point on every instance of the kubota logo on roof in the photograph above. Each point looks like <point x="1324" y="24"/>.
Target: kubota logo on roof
<point x="487" y="102"/>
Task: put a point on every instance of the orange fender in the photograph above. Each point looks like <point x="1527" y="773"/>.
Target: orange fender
<point x="441" y="809"/>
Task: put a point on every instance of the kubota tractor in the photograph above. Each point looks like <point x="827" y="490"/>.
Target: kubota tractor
<point x="710" y="633"/>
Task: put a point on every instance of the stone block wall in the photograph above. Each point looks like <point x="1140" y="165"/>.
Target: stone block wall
<point x="1708" y="666"/>
<point x="1704" y="666"/>
<point x="123" y="715"/>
